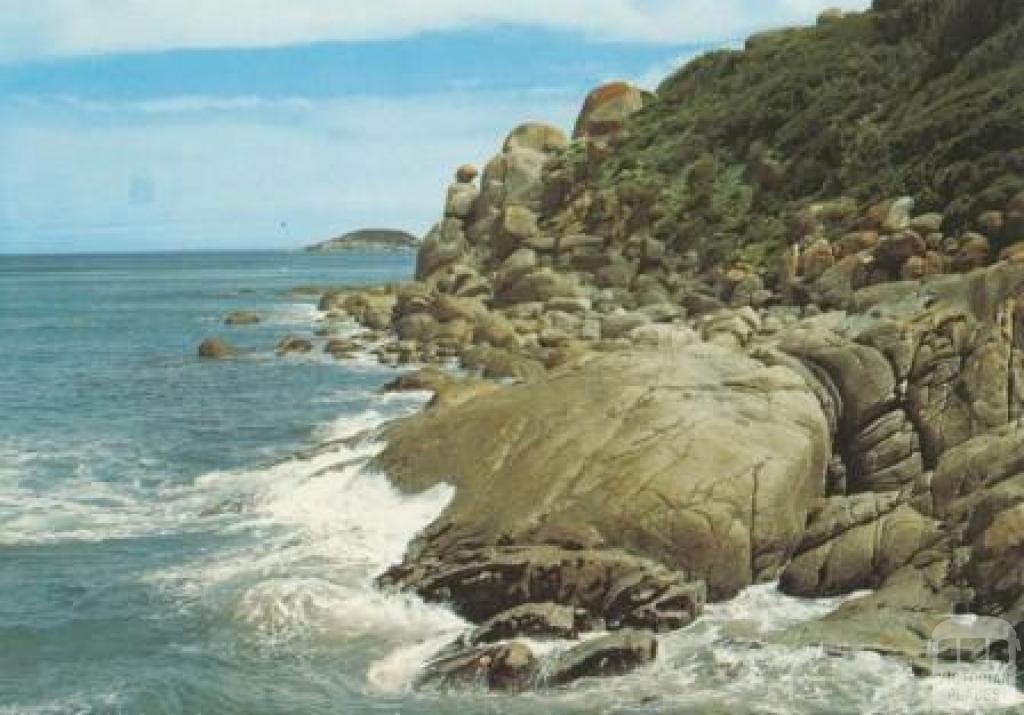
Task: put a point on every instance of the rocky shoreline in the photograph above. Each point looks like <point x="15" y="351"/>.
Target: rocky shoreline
<point x="644" y="428"/>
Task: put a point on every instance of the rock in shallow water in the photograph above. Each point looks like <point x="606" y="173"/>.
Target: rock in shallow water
<point x="242" y="317"/>
<point x="513" y="666"/>
<point x="504" y="666"/>
<point x="610" y="655"/>
<point x="215" y="349"/>
<point x="620" y="590"/>
<point x="293" y="344"/>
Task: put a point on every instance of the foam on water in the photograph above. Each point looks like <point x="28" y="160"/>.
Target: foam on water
<point x="324" y="525"/>
<point x="81" y="507"/>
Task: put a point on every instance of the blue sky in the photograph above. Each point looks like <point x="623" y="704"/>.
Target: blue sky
<point x="141" y="125"/>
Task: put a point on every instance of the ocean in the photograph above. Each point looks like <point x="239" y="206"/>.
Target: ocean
<point x="189" y="536"/>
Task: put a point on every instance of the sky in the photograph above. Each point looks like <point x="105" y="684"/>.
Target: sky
<point x="141" y="125"/>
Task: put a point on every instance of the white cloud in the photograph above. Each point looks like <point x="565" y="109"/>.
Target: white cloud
<point x="48" y="28"/>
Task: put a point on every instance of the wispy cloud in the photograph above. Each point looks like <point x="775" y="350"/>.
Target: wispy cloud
<point x="200" y="171"/>
<point x="61" y="28"/>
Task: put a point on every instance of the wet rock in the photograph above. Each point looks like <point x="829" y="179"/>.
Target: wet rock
<point x="293" y="344"/>
<point x="610" y="586"/>
<point x="342" y="347"/>
<point x="242" y="317"/>
<point x="534" y="620"/>
<point x="215" y="349"/>
<point x="896" y="620"/>
<point x="509" y="667"/>
<point x="607" y="656"/>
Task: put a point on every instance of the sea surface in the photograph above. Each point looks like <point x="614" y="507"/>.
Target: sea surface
<point x="187" y="536"/>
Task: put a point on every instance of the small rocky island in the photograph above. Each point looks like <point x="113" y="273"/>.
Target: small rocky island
<point x="370" y="239"/>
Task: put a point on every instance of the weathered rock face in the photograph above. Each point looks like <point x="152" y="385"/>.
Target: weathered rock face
<point x="444" y="245"/>
<point x="855" y="543"/>
<point x="614" y="654"/>
<point x="611" y="587"/>
<point x="688" y="412"/>
<point x="673" y="455"/>
<point x="536" y="136"/>
<point x="606" y="110"/>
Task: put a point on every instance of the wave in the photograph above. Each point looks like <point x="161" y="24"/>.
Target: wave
<point x="317" y="529"/>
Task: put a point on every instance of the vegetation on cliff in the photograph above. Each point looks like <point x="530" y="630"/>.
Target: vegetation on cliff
<point x="913" y="97"/>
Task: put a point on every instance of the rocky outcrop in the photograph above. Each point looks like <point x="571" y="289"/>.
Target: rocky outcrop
<point x="639" y="451"/>
<point x="741" y="351"/>
<point x="747" y="448"/>
<point x="611" y="587"/>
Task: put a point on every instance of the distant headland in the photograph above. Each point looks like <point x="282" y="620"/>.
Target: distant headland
<point x="370" y="239"/>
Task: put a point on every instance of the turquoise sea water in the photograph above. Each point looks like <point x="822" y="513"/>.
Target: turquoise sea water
<point x="185" y="536"/>
<point x="149" y="561"/>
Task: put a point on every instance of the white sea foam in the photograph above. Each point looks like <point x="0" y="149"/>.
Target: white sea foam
<point x="79" y="507"/>
<point x="320" y="527"/>
<point x="723" y="664"/>
<point x="292" y="314"/>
